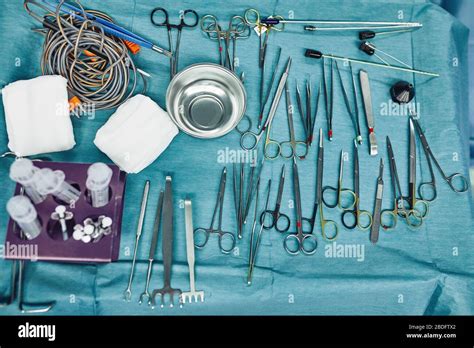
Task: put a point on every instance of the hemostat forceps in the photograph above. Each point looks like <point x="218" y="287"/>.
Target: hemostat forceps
<point x="201" y="235"/>
<point x="274" y="218"/>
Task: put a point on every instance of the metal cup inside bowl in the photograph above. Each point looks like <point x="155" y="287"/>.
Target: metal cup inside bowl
<point x="206" y="100"/>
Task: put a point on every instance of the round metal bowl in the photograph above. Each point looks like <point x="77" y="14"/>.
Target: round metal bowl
<point x="206" y="100"/>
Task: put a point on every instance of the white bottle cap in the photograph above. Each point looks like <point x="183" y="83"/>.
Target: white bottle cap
<point x="98" y="176"/>
<point x="21" y="209"/>
<point x="48" y="181"/>
<point x="22" y="171"/>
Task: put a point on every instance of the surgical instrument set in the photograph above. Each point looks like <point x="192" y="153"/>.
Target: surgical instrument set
<point x="188" y="19"/>
<point x="226" y="240"/>
<point x="128" y="292"/>
<point x="167" y="249"/>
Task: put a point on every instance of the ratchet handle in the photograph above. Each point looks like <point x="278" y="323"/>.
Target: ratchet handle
<point x="313" y="54"/>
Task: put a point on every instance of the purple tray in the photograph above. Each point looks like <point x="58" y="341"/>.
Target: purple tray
<point x="50" y="245"/>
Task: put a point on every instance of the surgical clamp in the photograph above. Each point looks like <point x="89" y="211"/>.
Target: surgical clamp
<point x="127" y="295"/>
<point x="151" y="258"/>
<point x="224" y="237"/>
<point x="167" y="249"/>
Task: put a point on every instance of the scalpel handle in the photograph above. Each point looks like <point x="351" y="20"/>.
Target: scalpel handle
<point x="367" y="98"/>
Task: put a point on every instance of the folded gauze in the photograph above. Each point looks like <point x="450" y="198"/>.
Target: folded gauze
<point x="37" y="116"/>
<point x="136" y="134"/>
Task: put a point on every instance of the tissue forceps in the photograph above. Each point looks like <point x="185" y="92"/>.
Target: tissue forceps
<point x="189" y="19"/>
<point x="218" y="210"/>
<point x="296" y="148"/>
<point x="278" y="220"/>
<point x="304" y="243"/>
<point x="340" y="191"/>
<point x="356" y="212"/>
<point x="430" y="158"/>
<point x="256" y="137"/>
<point x="318" y="204"/>
<point x="254" y="246"/>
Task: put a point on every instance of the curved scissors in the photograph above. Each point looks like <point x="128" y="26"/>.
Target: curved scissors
<point x="274" y="218"/>
<point x="356" y="213"/>
<point x="292" y="148"/>
<point x="256" y="137"/>
<point x="206" y="232"/>
<point x="340" y="191"/>
<point x="416" y="209"/>
<point x="431" y="185"/>
<point x="189" y="19"/>
<point x="299" y="242"/>
<point x="318" y="204"/>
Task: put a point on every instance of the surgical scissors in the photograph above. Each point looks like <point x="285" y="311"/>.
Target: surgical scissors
<point x="237" y="29"/>
<point x="389" y="217"/>
<point x="225" y="238"/>
<point x="431" y="159"/>
<point x="356" y="213"/>
<point x="295" y="148"/>
<point x="256" y="137"/>
<point x="328" y="95"/>
<point x="417" y="209"/>
<point x="276" y="219"/>
<point x="340" y="191"/>
<point x="318" y="203"/>
<point x="189" y="19"/>
<point x="299" y="242"/>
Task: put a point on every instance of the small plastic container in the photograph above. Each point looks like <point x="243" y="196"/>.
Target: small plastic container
<point x="52" y="182"/>
<point x="22" y="172"/>
<point x="98" y="181"/>
<point x="23" y="212"/>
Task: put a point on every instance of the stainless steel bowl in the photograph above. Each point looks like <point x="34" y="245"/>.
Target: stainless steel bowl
<point x="206" y="100"/>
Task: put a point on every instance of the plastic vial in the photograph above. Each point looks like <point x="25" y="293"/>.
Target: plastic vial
<point x="98" y="180"/>
<point x="52" y="182"/>
<point x="23" y="212"/>
<point x="22" y="171"/>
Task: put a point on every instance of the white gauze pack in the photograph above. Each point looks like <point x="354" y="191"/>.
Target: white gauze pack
<point x="136" y="134"/>
<point x="37" y="116"/>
